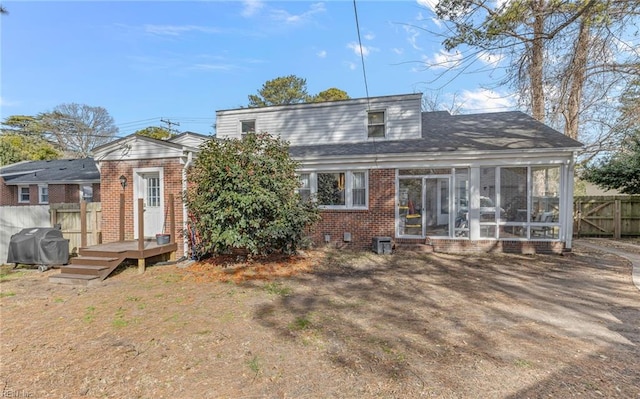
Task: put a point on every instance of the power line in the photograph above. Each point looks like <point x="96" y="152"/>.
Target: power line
<point x="169" y="124"/>
<point x="364" y="73"/>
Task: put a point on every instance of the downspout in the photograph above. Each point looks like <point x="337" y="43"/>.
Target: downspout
<point x="184" y="205"/>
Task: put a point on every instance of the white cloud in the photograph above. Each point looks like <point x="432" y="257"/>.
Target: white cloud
<point x="284" y="16"/>
<point x="321" y="54"/>
<point x="485" y="100"/>
<point x="351" y="65"/>
<point x="430" y="4"/>
<point x="361" y="50"/>
<point x="444" y="59"/>
<point x="7" y="103"/>
<point x="213" y="67"/>
<point x="369" y="36"/>
<point x="413" y="36"/>
<point x="397" y="50"/>
<point x="251" y="8"/>
<point x="489" y="58"/>
<point x="177" y="30"/>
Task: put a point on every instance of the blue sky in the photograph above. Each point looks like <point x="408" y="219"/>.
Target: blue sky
<point x="182" y="61"/>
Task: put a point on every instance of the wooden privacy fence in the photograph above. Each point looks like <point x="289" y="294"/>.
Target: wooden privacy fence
<point x="68" y="216"/>
<point x="607" y="216"/>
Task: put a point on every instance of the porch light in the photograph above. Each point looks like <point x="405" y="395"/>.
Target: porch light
<point x="123" y="181"/>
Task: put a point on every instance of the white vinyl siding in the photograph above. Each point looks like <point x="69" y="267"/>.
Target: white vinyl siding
<point x="328" y="122"/>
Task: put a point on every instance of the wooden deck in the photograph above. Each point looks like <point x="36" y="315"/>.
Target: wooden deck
<point x="96" y="262"/>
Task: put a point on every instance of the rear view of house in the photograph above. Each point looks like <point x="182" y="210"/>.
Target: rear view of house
<point x="380" y="167"/>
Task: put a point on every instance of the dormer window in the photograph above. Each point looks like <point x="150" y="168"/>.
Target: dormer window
<point x="376" y="125"/>
<point x="247" y="127"/>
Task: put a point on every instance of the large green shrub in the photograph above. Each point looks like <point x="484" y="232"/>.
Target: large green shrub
<point x="242" y="195"/>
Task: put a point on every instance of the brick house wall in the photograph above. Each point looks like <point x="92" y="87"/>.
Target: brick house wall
<point x="58" y="193"/>
<point x="110" y="172"/>
<point x="378" y="220"/>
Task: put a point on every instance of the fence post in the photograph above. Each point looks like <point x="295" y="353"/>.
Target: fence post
<point x="617" y="221"/>
<point x="83" y="223"/>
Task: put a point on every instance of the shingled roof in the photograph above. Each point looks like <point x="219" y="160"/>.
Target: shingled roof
<point x="442" y="132"/>
<point x="56" y="171"/>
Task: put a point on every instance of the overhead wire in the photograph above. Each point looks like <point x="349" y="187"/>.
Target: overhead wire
<point x="366" y="85"/>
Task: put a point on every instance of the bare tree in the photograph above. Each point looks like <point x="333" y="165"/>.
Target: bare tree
<point x="563" y="56"/>
<point x="78" y="128"/>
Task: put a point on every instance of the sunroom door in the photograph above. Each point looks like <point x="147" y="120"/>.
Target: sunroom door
<point x="423" y="206"/>
<point x="410" y="206"/>
<point x="437" y="196"/>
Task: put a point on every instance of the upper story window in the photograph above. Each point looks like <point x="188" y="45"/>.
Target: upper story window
<point x="43" y="194"/>
<point x="376" y="124"/>
<point x="247" y="127"/>
<point x="336" y="189"/>
<point x="23" y="194"/>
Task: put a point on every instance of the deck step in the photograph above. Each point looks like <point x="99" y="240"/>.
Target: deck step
<point x="74" y="279"/>
<point x="93" y="260"/>
<point x="92" y="270"/>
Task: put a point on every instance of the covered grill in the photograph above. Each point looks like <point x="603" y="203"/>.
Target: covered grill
<point x="39" y="246"/>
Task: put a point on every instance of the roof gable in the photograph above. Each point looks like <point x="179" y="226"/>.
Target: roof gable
<point x="138" y="147"/>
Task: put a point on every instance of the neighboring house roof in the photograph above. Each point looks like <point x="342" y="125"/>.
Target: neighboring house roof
<point x="442" y="132"/>
<point x="56" y="171"/>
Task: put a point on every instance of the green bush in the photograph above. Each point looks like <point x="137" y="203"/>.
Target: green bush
<point x="242" y="195"/>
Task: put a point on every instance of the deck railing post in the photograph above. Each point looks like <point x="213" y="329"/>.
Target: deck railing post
<point x="140" y="224"/>
<point x="121" y="235"/>
<point x="172" y="219"/>
<point x="83" y="223"/>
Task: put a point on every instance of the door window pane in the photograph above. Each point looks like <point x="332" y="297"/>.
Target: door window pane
<point x="153" y="191"/>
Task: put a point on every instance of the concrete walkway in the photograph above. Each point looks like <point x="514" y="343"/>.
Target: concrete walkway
<point x="633" y="257"/>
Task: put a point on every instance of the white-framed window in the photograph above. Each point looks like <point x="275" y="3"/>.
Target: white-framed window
<point x="336" y="189"/>
<point x="376" y="124"/>
<point x="305" y="186"/>
<point x="24" y="195"/>
<point x="248" y="126"/>
<point x="43" y="194"/>
<point x="86" y="192"/>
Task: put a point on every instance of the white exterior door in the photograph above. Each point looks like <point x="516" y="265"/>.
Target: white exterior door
<point x="149" y="185"/>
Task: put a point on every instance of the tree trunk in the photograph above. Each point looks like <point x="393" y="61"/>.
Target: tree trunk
<point x="576" y="72"/>
<point x="537" y="61"/>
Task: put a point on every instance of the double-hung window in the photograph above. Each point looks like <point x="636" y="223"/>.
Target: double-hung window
<point x="376" y="124"/>
<point x="305" y="186"/>
<point x="23" y="194"/>
<point x="336" y="189"/>
<point x="43" y="194"/>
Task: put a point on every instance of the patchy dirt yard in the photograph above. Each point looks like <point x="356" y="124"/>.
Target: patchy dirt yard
<point x="331" y="324"/>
